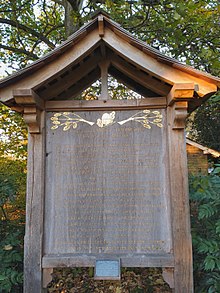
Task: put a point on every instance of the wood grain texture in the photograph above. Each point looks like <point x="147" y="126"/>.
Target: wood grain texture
<point x="156" y="102"/>
<point x="72" y="78"/>
<point x="84" y="260"/>
<point x="34" y="213"/>
<point x="81" y="49"/>
<point x="104" y="65"/>
<point x="146" y="80"/>
<point x="164" y="72"/>
<point x="183" y="273"/>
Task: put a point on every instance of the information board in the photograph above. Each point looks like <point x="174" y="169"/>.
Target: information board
<point x="107" y="188"/>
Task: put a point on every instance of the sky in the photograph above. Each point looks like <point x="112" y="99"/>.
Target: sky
<point x="3" y="67"/>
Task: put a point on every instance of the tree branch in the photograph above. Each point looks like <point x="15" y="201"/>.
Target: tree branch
<point x="21" y="51"/>
<point x="28" y="30"/>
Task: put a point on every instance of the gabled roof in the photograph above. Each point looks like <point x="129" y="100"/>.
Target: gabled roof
<point x="206" y="150"/>
<point x="75" y="64"/>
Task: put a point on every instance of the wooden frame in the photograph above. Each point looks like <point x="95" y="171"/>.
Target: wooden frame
<point x="180" y="264"/>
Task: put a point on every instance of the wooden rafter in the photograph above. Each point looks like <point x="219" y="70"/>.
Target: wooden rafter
<point x="139" y="76"/>
<point x="63" y="84"/>
<point x="151" y="71"/>
<point x="162" y="71"/>
<point x="134" y="86"/>
<point x="80" y="86"/>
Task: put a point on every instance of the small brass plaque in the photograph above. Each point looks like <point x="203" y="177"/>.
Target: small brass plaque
<point x="107" y="270"/>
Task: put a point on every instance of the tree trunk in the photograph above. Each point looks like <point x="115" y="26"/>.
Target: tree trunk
<point x="72" y="17"/>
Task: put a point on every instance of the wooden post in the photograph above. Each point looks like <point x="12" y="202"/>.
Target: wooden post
<point x="34" y="212"/>
<point x="35" y="119"/>
<point x="104" y="80"/>
<point x="183" y="272"/>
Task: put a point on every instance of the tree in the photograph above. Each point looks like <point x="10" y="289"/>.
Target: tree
<point x="13" y="134"/>
<point x="205" y="123"/>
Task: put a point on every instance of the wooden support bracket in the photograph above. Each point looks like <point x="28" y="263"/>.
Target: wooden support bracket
<point x="178" y="99"/>
<point x="181" y="92"/>
<point x="168" y="276"/>
<point x="32" y="118"/>
<point x="47" y="276"/>
<point x="179" y="115"/>
<point x="32" y="105"/>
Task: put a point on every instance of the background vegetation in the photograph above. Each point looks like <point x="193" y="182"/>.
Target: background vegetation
<point x="186" y="30"/>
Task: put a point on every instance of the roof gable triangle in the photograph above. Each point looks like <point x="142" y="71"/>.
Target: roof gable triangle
<point x="129" y="58"/>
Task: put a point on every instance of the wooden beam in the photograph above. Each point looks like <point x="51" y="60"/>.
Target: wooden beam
<point x="130" y="83"/>
<point x="157" y="102"/>
<point x="27" y="97"/>
<point x="32" y="105"/>
<point x="101" y="26"/>
<point x="147" y="63"/>
<point x="80" y="86"/>
<point x="104" y="65"/>
<point x="126" y="261"/>
<point x="181" y="92"/>
<point x="73" y="55"/>
<point x="144" y="79"/>
<point x="69" y="80"/>
<point x="103" y="50"/>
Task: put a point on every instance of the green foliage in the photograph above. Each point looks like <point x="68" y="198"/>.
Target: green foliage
<point x="12" y="188"/>
<point x="205" y="221"/>
<point x="27" y="27"/>
<point x="8" y="189"/>
<point x="13" y="134"/>
<point x="116" y="90"/>
<point x="11" y="260"/>
<point x="12" y="204"/>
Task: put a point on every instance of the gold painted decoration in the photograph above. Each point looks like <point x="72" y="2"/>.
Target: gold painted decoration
<point x="146" y="118"/>
<point x="106" y="120"/>
<point x="69" y="120"/>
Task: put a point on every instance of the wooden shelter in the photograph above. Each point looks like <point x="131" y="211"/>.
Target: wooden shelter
<point x="53" y="83"/>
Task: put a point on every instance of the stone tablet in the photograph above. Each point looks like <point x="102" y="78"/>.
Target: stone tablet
<point x="107" y="188"/>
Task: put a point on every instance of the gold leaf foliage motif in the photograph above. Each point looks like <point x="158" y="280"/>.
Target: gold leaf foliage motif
<point x="69" y="120"/>
<point x="147" y="118"/>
